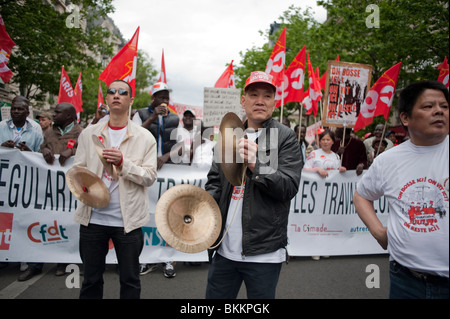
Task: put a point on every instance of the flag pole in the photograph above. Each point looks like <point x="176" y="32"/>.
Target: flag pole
<point x="343" y="142"/>
<point x="382" y="138"/>
<point x="282" y="101"/>
<point x="300" y="119"/>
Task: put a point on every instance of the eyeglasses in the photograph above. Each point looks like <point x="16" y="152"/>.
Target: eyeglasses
<point x="121" y="91"/>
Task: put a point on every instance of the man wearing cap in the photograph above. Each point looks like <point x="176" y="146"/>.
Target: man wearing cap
<point x="160" y="121"/>
<point x="255" y="214"/>
<point x="45" y="121"/>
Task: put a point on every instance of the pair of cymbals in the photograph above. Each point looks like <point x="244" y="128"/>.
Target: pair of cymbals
<point x="188" y="218"/>
<point x="231" y="130"/>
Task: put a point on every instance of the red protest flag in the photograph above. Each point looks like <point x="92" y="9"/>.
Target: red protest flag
<point x="314" y="87"/>
<point x="443" y="72"/>
<point x="78" y="99"/>
<point x="6" y="45"/>
<point x="379" y="99"/>
<point x="100" y="99"/>
<point x="162" y="76"/>
<point x="66" y="93"/>
<point x="226" y="80"/>
<point x="123" y="64"/>
<point x="295" y="73"/>
<point x="275" y="65"/>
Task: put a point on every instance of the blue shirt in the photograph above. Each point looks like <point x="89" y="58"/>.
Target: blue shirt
<point x="30" y="135"/>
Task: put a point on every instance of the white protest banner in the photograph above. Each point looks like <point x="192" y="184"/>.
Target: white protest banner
<point x="323" y="220"/>
<point x="219" y="101"/>
<point x="345" y="89"/>
<point x="37" y="209"/>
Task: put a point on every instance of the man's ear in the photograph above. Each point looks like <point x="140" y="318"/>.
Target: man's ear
<point x="404" y="118"/>
<point x="242" y="100"/>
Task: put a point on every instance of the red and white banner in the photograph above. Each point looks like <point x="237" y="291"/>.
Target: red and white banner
<point x="379" y="99"/>
<point x="37" y="208"/>
<point x="294" y="79"/>
<point x="6" y="45"/>
<point x="443" y="72"/>
<point x="66" y="92"/>
<point x="275" y="65"/>
<point x="162" y="76"/>
<point x="315" y="93"/>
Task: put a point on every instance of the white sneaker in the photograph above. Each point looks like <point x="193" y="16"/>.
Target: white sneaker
<point x="169" y="271"/>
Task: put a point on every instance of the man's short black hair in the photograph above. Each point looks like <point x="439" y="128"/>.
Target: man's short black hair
<point x="410" y="95"/>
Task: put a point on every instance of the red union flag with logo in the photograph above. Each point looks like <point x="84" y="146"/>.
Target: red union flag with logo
<point x="275" y="65"/>
<point x="66" y="92"/>
<point x="6" y="45"/>
<point x="443" y="72"/>
<point x="162" y="77"/>
<point x="78" y="99"/>
<point x="379" y="99"/>
<point x="295" y="78"/>
<point x="123" y="64"/>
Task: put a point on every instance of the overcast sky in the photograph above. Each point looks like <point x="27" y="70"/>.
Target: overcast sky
<point x="199" y="37"/>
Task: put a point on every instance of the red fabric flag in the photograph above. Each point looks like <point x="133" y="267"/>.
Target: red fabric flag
<point x="100" y="99"/>
<point x="123" y="64"/>
<point x="379" y="99"/>
<point x="275" y="65"/>
<point x="226" y="80"/>
<point x="314" y="87"/>
<point x="78" y="99"/>
<point x="295" y="73"/>
<point x="6" y="45"/>
<point x="443" y="72"/>
<point x="162" y="76"/>
<point x="66" y="92"/>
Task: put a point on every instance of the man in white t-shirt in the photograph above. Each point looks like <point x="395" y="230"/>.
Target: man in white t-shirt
<point x="255" y="214"/>
<point x="413" y="176"/>
<point x="132" y="150"/>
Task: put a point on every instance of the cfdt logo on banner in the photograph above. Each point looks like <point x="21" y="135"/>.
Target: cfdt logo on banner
<point x="46" y="234"/>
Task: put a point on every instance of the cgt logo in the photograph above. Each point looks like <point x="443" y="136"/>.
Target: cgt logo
<point x="6" y="221"/>
<point x="44" y="234"/>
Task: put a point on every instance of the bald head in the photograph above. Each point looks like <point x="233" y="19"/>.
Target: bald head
<point x="64" y="114"/>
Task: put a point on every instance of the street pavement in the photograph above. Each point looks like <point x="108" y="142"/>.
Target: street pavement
<point x="336" y="277"/>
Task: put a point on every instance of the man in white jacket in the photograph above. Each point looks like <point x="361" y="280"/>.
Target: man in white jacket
<point x="132" y="151"/>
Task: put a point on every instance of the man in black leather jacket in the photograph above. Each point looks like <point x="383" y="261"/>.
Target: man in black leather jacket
<point x="160" y="121"/>
<point x="253" y="248"/>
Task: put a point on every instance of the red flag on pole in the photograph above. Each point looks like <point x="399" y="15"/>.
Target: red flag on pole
<point x="6" y="45"/>
<point x="443" y="72"/>
<point x="162" y="76"/>
<point x="226" y="80"/>
<point x="314" y="87"/>
<point x="66" y="93"/>
<point x="379" y="99"/>
<point x="100" y="100"/>
<point x="295" y="74"/>
<point x="275" y="65"/>
<point x="78" y="99"/>
<point x="123" y="64"/>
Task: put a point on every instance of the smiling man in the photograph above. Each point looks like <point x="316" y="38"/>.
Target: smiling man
<point x="413" y="176"/>
<point x="255" y="214"/>
<point x="132" y="151"/>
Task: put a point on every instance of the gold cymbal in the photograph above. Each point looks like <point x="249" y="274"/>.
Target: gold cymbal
<point x="188" y="218"/>
<point x="109" y="167"/>
<point x="87" y="187"/>
<point x="231" y="130"/>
